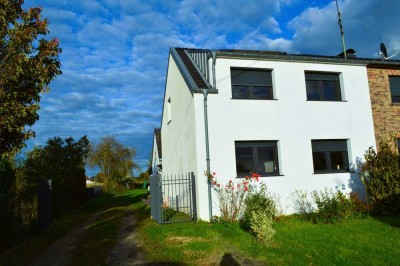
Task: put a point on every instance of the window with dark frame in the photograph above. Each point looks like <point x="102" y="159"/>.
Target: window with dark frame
<point x="259" y="157"/>
<point x="398" y="145"/>
<point x="322" y="86"/>
<point x="330" y="156"/>
<point x="251" y="83"/>
<point x="394" y="82"/>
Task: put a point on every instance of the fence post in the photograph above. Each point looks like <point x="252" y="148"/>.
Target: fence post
<point x="194" y="196"/>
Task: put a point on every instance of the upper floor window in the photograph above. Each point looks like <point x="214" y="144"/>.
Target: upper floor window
<point x="330" y="156"/>
<point x="394" y="82"/>
<point x="251" y="83"/>
<point x="260" y="157"/>
<point x="322" y="86"/>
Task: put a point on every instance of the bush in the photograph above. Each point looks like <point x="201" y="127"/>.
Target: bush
<point x="333" y="207"/>
<point x="231" y="197"/>
<point x="261" y="227"/>
<point x="258" y="202"/>
<point x="381" y="176"/>
<point x="260" y="209"/>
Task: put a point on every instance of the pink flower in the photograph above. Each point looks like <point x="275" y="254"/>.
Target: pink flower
<point x="214" y="174"/>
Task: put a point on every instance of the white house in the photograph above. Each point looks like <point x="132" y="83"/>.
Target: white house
<point x="302" y="122"/>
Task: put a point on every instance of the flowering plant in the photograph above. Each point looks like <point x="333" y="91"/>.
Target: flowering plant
<point x="232" y="195"/>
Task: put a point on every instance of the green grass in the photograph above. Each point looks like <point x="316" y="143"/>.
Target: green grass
<point x="370" y="241"/>
<point x="355" y="242"/>
<point x="95" y="242"/>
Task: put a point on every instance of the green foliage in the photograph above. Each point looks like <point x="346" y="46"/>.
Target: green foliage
<point x="260" y="209"/>
<point x="334" y="207"/>
<point x="258" y="202"/>
<point x="261" y="227"/>
<point x="114" y="160"/>
<point x="28" y="63"/>
<point x="381" y="176"/>
<point x="61" y="161"/>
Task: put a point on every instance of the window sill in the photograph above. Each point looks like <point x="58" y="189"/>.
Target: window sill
<point x="254" y="99"/>
<point x="331" y="172"/>
<point x="326" y="101"/>
<point x="395" y="104"/>
<point x="262" y="176"/>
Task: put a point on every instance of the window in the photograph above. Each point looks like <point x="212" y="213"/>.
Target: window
<point x="260" y="157"/>
<point x="394" y="82"/>
<point x="323" y="86"/>
<point x="398" y="145"/>
<point x="169" y="115"/>
<point x="330" y="156"/>
<point x="251" y="84"/>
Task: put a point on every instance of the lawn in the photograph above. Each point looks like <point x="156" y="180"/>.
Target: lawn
<point x="354" y="242"/>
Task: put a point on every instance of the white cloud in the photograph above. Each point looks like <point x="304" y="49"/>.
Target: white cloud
<point x="115" y="52"/>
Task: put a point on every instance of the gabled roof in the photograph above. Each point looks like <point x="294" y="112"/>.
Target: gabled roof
<point x="195" y="67"/>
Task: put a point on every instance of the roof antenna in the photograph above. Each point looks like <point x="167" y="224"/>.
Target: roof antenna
<point x="341" y="29"/>
<point x="384" y="54"/>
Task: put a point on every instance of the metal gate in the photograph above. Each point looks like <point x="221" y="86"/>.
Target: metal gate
<point x="173" y="198"/>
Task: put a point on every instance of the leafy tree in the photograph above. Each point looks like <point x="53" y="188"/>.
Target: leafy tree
<point x="62" y="162"/>
<point x="381" y="176"/>
<point x="28" y="63"/>
<point x="114" y="160"/>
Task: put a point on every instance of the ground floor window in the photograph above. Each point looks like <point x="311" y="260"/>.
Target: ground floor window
<point x="260" y="157"/>
<point x="398" y="145"/>
<point x="330" y="156"/>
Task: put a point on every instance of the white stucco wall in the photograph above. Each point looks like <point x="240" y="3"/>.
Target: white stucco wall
<point x="178" y="137"/>
<point x="291" y="119"/>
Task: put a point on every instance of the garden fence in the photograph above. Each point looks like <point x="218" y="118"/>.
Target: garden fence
<point x="173" y="198"/>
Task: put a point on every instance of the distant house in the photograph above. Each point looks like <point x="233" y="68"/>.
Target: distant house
<point x="302" y="122"/>
<point x="156" y="152"/>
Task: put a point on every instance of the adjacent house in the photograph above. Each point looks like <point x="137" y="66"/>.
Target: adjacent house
<point x="302" y="122"/>
<point x="384" y="84"/>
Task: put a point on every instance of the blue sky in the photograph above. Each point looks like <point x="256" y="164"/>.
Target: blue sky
<point x="115" y="52"/>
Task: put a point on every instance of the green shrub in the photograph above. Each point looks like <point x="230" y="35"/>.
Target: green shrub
<point x="260" y="209"/>
<point x="261" y="227"/>
<point x="381" y="176"/>
<point x="333" y="207"/>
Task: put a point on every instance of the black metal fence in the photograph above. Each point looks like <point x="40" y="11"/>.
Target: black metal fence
<point x="173" y="198"/>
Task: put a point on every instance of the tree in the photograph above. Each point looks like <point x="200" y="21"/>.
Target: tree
<point x="28" y="63"/>
<point x="114" y="160"/>
<point x="381" y="176"/>
<point x="62" y="162"/>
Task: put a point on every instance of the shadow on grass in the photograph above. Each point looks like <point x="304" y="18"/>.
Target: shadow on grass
<point x="108" y="206"/>
<point x="392" y="221"/>
<point x="228" y="260"/>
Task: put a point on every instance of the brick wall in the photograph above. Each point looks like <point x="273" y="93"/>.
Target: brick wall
<point x="386" y="115"/>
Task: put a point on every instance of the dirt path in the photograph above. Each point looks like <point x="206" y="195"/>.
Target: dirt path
<point x="128" y="250"/>
<point x="60" y="252"/>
